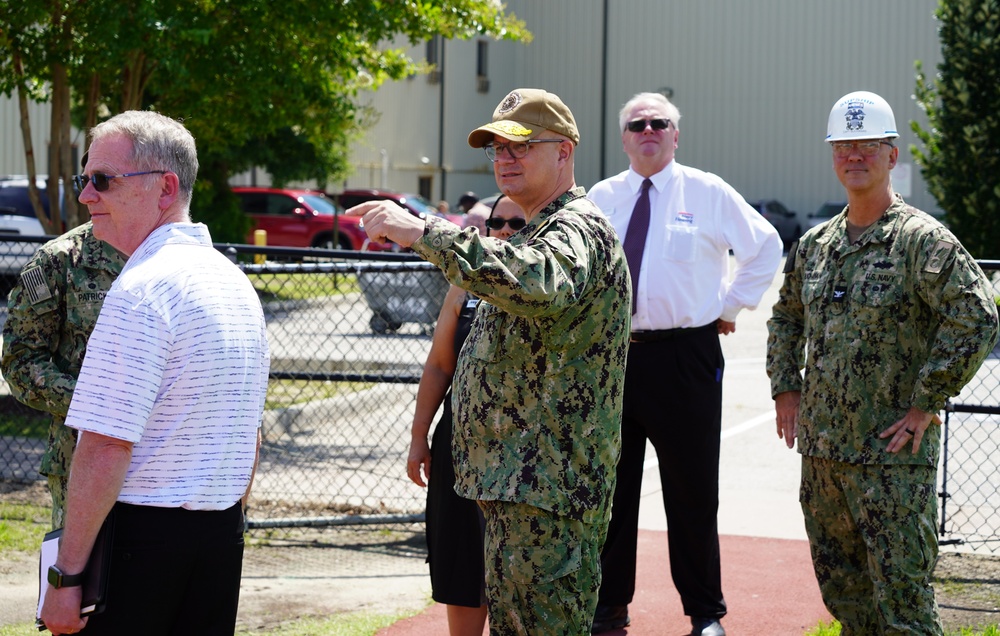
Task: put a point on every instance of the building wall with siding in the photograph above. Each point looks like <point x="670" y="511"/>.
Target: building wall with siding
<point x="754" y="82"/>
<point x="12" y="158"/>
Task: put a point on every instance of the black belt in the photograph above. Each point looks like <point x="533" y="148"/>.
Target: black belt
<point x="656" y="335"/>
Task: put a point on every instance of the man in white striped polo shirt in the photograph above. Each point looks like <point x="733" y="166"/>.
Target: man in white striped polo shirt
<point x="168" y="402"/>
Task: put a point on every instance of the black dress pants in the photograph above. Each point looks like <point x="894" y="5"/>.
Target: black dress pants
<point x="673" y="398"/>
<point x="174" y="572"/>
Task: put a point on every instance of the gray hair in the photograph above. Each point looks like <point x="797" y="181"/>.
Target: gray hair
<point x="158" y="143"/>
<point x="658" y="99"/>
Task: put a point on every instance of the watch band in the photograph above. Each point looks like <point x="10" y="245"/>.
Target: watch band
<point x="59" y="579"/>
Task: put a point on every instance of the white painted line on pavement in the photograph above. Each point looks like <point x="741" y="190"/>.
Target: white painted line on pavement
<point x="763" y="418"/>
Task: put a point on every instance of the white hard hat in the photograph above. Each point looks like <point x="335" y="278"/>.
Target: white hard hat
<point x="860" y="115"/>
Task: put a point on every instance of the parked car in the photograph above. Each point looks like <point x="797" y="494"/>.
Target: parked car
<point x="825" y="212"/>
<point x="416" y="204"/>
<point x="302" y="218"/>
<point x="17" y="218"/>
<point x="784" y="220"/>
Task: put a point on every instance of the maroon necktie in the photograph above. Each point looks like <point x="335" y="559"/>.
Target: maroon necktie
<point x="635" y="238"/>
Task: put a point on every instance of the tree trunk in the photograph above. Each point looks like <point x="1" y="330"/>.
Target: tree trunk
<point x="29" y="149"/>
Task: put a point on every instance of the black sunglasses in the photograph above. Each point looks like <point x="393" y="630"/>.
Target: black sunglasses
<point x="639" y="125"/>
<point x="103" y="181"/>
<point x="497" y="223"/>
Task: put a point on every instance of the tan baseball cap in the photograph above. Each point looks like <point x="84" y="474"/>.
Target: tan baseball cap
<point x="522" y="114"/>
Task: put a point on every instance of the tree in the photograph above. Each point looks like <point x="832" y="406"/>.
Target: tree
<point x="961" y="157"/>
<point x="257" y="83"/>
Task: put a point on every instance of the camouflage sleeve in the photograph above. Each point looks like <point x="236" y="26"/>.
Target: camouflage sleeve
<point x="31" y="335"/>
<point x="786" y="330"/>
<point x="957" y="290"/>
<point x="535" y="278"/>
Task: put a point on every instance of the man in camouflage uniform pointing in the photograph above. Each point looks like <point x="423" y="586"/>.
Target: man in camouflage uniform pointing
<point x="537" y="393"/>
<point x="895" y="317"/>
<point x="51" y="313"/>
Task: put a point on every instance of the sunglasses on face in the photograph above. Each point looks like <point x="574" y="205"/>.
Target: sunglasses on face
<point x="102" y="181"/>
<point x="639" y="125"/>
<point x="497" y="223"/>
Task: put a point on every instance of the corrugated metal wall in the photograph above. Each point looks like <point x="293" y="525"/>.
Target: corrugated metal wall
<point x="12" y="159"/>
<point x="754" y="82"/>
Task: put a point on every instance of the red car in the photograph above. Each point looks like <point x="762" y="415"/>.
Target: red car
<point x="302" y="218"/>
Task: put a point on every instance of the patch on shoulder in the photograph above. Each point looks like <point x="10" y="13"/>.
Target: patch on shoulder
<point x="33" y="282"/>
<point x="939" y="254"/>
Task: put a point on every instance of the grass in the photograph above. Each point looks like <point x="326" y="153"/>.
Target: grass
<point x="285" y="393"/>
<point x="352" y="624"/>
<point x="22" y="421"/>
<point x="279" y="286"/>
<point x="833" y="629"/>
<point x="22" y="527"/>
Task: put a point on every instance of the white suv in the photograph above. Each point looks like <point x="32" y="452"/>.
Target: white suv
<point x="17" y="218"/>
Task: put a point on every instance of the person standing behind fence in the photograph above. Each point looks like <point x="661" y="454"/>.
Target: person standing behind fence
<point x="454" y="524"/>
<point x="50" y="314"/>
<point x="895" y="317"/>
<point x="168" y="402"/>
<point x="538" y="386"/>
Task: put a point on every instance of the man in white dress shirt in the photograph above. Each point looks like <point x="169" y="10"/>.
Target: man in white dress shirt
<point x="168" y="402"/>
<point x="678" y="243"/>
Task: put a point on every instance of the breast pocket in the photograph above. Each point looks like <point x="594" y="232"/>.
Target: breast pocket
<point x="875" y="309"/>
<point x="680" y="243"/>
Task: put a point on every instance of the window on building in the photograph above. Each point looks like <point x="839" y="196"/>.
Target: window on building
<point x="434" y="59"/>
<point x="482" y="70"/>
<point x="424" y="185"/>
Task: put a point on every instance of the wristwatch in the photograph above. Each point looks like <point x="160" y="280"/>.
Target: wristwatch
<point x="58" y="579"/>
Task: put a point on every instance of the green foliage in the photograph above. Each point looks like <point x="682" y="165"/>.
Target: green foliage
<point x="960" y="160"/>
<point x="258" y="83"/>
<point x="22" y="527"/>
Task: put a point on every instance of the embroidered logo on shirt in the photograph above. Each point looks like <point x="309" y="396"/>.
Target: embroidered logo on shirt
<point x="33" y="282"/>
<point x="839" y="293"/>
<point x="685" y="217"/>
<point x="939" y="253"/>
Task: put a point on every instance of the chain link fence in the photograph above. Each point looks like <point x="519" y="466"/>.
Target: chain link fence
<point x="970" y="458"/>
<point x="349" y="333"/>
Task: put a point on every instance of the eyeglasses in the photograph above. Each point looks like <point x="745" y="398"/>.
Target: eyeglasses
<point x="639" y="125"/>
<point x="844" y="149"/>
<point x="497" y="223"/>
<point x="102" y="181"/>
<point x="517" y="149"/>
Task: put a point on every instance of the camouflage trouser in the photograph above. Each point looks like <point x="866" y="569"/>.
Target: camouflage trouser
<point x="542" y="570"/>
<point x="872" y="534"/>
<point x="57" y="488"/>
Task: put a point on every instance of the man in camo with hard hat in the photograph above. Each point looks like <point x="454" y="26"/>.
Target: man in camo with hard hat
<point x="895" y="317"/>
<point x="50" y="314"/>
<point x="538" y="386"/>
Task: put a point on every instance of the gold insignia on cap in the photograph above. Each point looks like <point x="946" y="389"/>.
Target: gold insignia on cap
<point x="507" y="127"/>
<point x="510" y="102"/>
